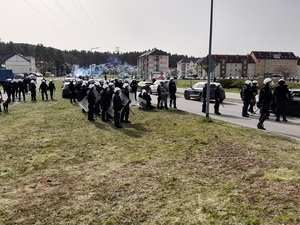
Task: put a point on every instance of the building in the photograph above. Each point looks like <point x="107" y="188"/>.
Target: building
<point x="153" y="64"/>
<point x="20" y="64"/>
<point x="283" y="64"/>
<point x="232" y="66"/>
<point x="186" y="68"/>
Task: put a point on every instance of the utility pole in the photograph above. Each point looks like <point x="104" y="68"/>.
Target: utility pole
<point x="209" y="62"/>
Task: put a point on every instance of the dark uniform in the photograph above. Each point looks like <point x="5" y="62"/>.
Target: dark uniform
<point x="51" y="89"/>
<point x="246" y="96"/>
<point x="281" y="96"/>
<point x="72" y="91"/>
<point x="32" y="88"/>
<point x="43" y="88"/>
<point x="126" y="109"/>
<point x="91" y="100"/>
<point x="203" y="96"/>
<point x="172" y="91"/>
<point x="218" y="100"/>
<point x="264" y="102"/>
<point x="117" y="107"/>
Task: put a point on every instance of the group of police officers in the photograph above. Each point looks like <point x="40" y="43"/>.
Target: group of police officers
<point x="266" y="100"/>
<point x="16" y="89"/>
<point x="111" y="99"/>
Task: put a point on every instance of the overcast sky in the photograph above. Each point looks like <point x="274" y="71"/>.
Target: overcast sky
<point x="174" y="26"/>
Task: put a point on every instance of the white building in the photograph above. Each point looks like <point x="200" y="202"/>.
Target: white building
<point x="153" y="64"/>
<point x="20" y="64"/>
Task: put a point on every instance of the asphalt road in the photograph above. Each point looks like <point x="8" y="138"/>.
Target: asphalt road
<point x="232" y="112"/>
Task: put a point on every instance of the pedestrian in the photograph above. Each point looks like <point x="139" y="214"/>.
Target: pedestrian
<point x="82" y="94"/>
<point x="32" y="89"/>
<point x="264" y="102"/>
<point x="172" y="91"/>
<point x="218" y="99"/>
<point x="203" y="96"/>
<point x="44" y="89"/>
<point x="246" y="96"/>
<point x="117" y="107"/>
<point x="91" y="100"/>
<point x="51" y="88"/>
<point x="281" y="97"/>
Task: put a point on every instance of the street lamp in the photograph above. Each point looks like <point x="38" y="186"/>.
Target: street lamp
<point x="92" y="56"/>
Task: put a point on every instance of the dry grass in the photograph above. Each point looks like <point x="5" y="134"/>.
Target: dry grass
<point x="167" y="167"/>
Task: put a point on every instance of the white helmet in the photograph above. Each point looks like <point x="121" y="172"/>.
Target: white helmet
<point x="247" y="82"/>
<point x="125" y="85"/>
<point x="254" y="82"/>
<point x="117" y="89"/>
<point x="268" y="81"/>
<point x="91" y="86"/>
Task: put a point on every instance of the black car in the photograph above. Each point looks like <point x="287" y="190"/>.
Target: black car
<point x="293" y="106"/>
<point x="196" y="91"/>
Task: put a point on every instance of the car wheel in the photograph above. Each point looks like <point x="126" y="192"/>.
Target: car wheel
<point x="186" y="95"/>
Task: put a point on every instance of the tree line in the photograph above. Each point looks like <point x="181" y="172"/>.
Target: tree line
<point x="59" y="62"/>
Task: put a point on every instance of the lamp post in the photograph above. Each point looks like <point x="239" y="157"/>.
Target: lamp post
<point x="92" y="57"/>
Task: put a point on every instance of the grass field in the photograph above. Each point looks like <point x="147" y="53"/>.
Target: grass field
<point x="166" y="167"/>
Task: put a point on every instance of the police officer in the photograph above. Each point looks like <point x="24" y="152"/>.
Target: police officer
<point x="32" y="88"/>
<point x="43" y="88"/>
<point x="51" y="88"/>
<point x="218" y="99"/>
<point x="281" y="96"/>
<point x="117" y="107"/>
<point x="203" y="96"/>
<point x="72" y="91"/>
<point x="172" y="91"/>
<point x="254" y="92"/>
<point x="246" y="96"/>
<point x="264" y="102"/>
<point x="91" y="100"/>
<point x="126" y="109"/>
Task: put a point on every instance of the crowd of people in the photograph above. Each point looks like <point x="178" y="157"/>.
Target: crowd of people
<point x="112" y="99"/>
<point x="266" y="100"/>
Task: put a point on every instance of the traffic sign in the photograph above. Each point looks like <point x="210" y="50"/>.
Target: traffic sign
<point x="204" y="63"/>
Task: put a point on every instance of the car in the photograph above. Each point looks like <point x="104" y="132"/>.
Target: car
<point x="195" y="91"/>
<point x="154" y="86"/>
<point x="143" y="85"/>
<point x="293" y="106"/>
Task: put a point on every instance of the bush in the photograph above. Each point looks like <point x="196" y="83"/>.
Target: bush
<point x="232" y="83"/>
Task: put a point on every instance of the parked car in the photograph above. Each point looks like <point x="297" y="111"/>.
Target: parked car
<point x="195" y="91"/>
<point x="293" y="106"/>
<point x="143" y="85"/>
<point x="154" y="86"/>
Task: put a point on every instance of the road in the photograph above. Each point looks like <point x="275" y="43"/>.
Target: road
<point x="232" y="112"/>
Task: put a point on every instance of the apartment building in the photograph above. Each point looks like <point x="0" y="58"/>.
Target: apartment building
<point x="232" y="66"/>
<point x="186" y="67"/>
<point x="269" y="63"/>
<point x="153" y="64"/>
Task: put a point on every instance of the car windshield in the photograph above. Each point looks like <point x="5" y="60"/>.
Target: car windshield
<point x="199" y="85"/>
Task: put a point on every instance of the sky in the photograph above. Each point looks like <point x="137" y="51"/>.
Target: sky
<point x="174" y="26"/>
